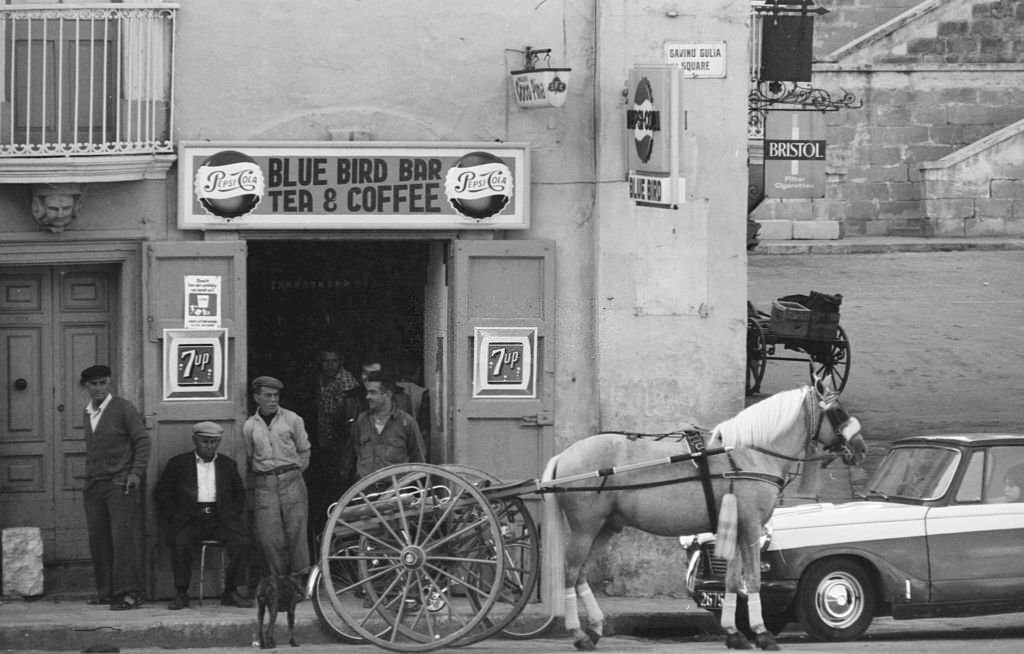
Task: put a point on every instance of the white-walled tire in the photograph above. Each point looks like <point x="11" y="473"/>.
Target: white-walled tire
<point x="836" y="600"/>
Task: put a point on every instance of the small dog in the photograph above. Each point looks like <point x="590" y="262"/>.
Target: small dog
<point x="273" y="594"/>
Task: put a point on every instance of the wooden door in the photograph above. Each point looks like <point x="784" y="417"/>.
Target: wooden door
<point x="54" y="322"/>
<point x="503" y="287"/>
<point x="172" y="417"/>
<point x="499" y="288"/>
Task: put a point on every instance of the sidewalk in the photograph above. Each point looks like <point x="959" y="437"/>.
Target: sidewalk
<point x="884" y="244"/>
<point x="71" y="625"/>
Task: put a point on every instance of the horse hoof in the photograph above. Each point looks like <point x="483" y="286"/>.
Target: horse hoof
<point x="766" y="641"/>
<point x="584" y="644"/>
<point x="593" y="635"/>
<point x="737" y="641"/>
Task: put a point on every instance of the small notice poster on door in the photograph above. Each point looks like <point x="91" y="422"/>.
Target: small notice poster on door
<point x="202" y="301"/>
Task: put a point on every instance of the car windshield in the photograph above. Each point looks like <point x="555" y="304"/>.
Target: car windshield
<point x="914" y="473"/>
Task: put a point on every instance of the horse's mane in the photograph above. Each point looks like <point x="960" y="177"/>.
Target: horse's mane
<point x="760" y="423"/>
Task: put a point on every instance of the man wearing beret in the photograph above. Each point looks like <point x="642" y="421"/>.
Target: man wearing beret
<point x="277" y="448"/>
<point x="116" y="454"/>
<point x="200" y="496"/>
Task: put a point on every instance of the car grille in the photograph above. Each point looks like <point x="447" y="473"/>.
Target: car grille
<point x="714" y="567"/>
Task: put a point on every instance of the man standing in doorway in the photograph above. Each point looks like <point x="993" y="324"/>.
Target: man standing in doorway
<point x="338" y="400"/>
<point x="116" y="455"/>
<point x="384" y="434"/>
<point x="419" y="397"/>
<point x="277" y="450"/>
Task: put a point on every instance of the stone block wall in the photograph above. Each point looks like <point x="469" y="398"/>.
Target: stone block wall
<point x="990" y="32"/>
<point x="911" y="116"/>
<point x="848" y="19"/>
<point x="979" y="190"/>
<point x="943" y="76"/>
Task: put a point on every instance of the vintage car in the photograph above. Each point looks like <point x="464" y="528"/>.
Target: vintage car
<point x="939" y="532"/>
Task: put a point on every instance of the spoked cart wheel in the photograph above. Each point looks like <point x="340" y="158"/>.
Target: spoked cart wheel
<point x="343" y="572"/>
<point x="521" y="551"/>
<point x="833" y="362"/>
<point x="757" y="355"/>
<point x="413" y="533"/>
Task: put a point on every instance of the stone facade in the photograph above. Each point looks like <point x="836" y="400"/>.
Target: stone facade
<point x="938" y="78"/>
<point x="849" y="19"/>
<point x="979" y="190"/>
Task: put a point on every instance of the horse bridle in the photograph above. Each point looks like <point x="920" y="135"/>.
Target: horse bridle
<point x="843" y="424"/>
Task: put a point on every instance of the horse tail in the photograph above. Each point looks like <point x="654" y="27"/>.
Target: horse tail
<point x="725" y="539"/>
<point x="553" y="541"/>
<point x="552" y="514"/>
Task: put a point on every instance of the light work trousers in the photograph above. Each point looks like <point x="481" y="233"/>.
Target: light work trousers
<point x="281" y="514"/>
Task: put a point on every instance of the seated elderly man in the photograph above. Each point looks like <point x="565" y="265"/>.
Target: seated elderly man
<point x="200" y="496"/>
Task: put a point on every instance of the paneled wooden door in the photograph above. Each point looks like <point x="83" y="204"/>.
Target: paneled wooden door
<point x="54" y="321"/>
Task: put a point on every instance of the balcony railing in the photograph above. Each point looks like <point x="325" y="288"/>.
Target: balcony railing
<point x="86" y="79"/>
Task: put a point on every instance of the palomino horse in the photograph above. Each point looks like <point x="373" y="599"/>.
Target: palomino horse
<point x="761" y="445"/>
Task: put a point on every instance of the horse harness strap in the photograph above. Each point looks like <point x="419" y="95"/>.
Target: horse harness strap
<point x="697" y="443"/>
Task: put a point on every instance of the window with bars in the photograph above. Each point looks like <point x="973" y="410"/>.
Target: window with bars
<point x="86" y="79"/>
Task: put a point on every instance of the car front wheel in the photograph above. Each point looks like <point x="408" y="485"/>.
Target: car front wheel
<point x="836" y="600"/>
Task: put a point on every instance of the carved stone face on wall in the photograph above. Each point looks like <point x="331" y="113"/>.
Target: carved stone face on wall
<point x="55" y="206"/>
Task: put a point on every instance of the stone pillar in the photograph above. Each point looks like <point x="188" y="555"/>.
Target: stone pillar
<point x="23" y="561"/>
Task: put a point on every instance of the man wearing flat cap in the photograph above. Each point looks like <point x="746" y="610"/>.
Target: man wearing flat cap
<point x="116" y="455"/>
<point x="200" y="496"/>
<point x="277" y="448"/>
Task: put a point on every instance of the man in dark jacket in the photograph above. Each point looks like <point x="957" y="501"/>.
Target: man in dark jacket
<point x="200" y="496"/>
<point x="116" y="455"/>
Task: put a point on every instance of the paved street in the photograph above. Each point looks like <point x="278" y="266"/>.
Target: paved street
<point x="935" y="338"/>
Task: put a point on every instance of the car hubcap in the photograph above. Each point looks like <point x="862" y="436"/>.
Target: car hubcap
<point x="839" y="600"/>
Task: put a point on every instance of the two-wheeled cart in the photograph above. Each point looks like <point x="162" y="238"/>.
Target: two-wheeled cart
<point x="415" y="557"/>
<point x="805" y="324"/>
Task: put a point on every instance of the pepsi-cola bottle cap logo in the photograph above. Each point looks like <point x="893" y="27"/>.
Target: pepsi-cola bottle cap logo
<point x="229" y="184"/>
<point x="479" y="185"/>
<point x="645" y="119"/>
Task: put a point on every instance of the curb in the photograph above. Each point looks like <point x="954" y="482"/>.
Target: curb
<point x="885" y="245"/>
<point x="59" y="626"/>
<point x="196" y="634"/>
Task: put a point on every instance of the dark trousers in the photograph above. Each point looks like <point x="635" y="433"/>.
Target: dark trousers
<point x="186" y="541"/>
<point x="114" y="520"/>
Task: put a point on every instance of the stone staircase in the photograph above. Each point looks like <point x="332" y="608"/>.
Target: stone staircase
<point x="979" y="189"/>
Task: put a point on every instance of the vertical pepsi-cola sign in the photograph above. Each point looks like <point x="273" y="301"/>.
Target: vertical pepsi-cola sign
<point x="652" y="136"/>
<point x="794" y="154"/>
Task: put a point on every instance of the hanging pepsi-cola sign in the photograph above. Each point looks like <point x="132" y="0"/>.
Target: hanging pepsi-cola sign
<point x="355" y="186"/>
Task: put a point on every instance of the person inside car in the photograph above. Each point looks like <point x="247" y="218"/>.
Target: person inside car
<point x="1013" y="484"/>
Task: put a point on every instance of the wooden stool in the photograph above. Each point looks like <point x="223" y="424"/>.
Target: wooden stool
<point x="203" y="545"/>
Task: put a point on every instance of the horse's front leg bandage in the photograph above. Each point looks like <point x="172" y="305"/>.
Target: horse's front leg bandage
<point x="572" y="611"/>
<point x="729" y="612"/>
<point x="595" y="617"/>
<point x="754" y="616"/>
